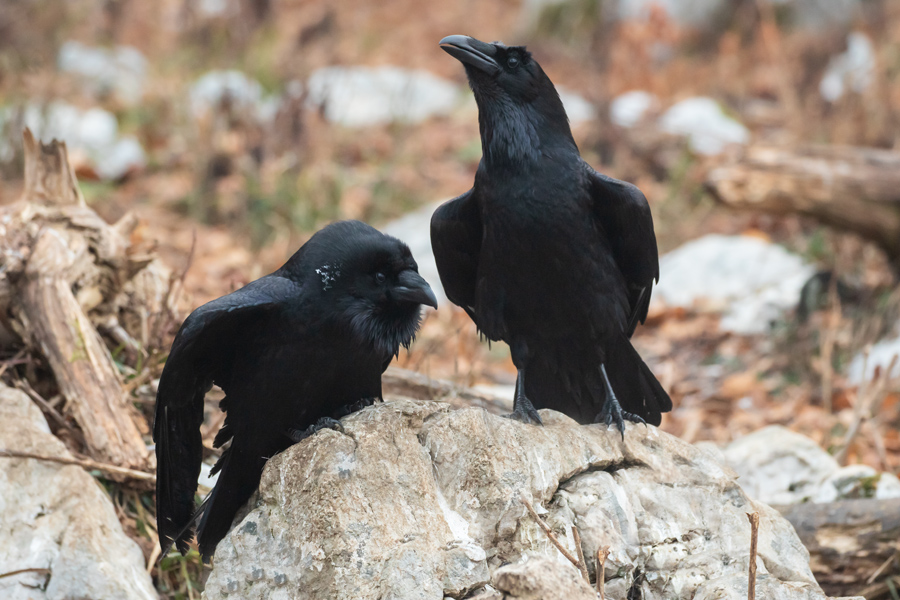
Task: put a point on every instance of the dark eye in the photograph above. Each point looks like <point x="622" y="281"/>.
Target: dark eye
<point x="512" y="62"/>
<point x="379" y="277"/>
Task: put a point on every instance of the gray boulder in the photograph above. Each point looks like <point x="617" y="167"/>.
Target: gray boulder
<point x="418" y="501"/>
<point x="57" y="525"/>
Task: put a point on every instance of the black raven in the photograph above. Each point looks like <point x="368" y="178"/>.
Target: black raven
<point x="545" y="253"/>
<point x="290" y="349"/>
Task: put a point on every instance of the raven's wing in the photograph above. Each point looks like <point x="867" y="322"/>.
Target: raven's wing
<point x="203" y="351"/>
<point x="456" y="241"/>
<point x="622" y="211"/>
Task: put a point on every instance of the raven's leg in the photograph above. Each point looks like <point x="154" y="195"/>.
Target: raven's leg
<point x="298" y="435"/>
<point x="612" y="411"/>
<point x="346" y="409"/>
<point x="523" y="409"/>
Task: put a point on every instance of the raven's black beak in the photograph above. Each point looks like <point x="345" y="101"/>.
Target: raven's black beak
<point x="411" y="287"/>
<point x="471" y="52"/>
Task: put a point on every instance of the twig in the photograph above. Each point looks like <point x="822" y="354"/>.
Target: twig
<point x="834" y="319"/>
<point x="884" y="565"/>
<point x="866" y="400"/>
<point x="754" y="534"/>
<point x="23" y="385"/>
<point x="85" y="463"/>
<point x="546" y="529"/>
<point x="582" y="565"/>
<point x="154" y="554"/>
<point x="41" y="570"/>
<point x="602" y="555"/>
<point x="18" y="359"/>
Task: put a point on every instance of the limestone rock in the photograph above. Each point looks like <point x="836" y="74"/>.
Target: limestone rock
<point x="541" y="579"/>
<point x="779" y="466"/>
<point x="418" y="501"/>
<point x="56" y="517"/>
<point x="756" y="281"/>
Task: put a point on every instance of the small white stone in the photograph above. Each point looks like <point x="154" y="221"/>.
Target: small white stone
<point x="702" y="121"/>
<point x="627" y="110"/>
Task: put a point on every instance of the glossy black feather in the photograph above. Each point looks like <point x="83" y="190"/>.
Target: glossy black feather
<point x="287" y="349"/>
<point x="543" y="252"/>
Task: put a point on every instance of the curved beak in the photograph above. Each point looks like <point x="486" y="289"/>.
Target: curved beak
<point x="472" y="52"/>
<point x="411" y="287"/>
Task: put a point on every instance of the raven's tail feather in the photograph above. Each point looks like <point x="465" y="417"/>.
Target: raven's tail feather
<point x="179" y="452"/>
<point x="635" y="385"/>
<point x="241" y="470"/>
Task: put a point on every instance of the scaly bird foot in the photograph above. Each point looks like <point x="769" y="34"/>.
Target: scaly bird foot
<point x="346" y="409"/>
<point x="298" y="435"/>
<point x="524" y="412"/>
<point x="612" y="414"/>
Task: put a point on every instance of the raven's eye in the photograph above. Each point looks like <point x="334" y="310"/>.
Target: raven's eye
<point x="512" y="62"/>
<point x="379" y="277"/>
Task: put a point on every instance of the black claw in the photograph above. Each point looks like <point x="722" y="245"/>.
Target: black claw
<point x="298" y="435"/>
<point x="346" y="409"/>
<point x="529" y="416"/>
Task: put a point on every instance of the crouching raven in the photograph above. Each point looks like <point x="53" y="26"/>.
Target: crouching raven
<point x="290" y="350"/>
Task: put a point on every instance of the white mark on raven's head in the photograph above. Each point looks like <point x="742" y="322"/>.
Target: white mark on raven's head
<point x="329" y="274"/>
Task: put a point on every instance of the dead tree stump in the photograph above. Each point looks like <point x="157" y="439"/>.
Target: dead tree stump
<point x="65" y="270"/>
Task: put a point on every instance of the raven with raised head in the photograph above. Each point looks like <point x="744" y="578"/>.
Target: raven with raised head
<point x="546" y="254"/>
<point x="291" y="350"/>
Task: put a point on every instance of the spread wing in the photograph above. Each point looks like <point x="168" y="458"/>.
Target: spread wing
<point x="622" y="211"/>
<point x="456" y="242"/>
<point x="203" y="350"/>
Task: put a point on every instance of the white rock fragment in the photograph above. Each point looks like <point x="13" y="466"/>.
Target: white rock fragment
<point x="365" y="96"/>
<point x="844" y="483"/>
<point x="852" y="70"/>
<point x="415" y="229"/>
<point x="888" y="487"/>
<point x="628" y="109"/>
<point x="120" y="70"/>
<point x="750" y="280"/>
<point x="215" y="87"/>
<point x="701" y="120"/>
<point x="778" y="466"/>
<point x="578" y="109"/>
<point x="57" y="517"/>
<point x="880" y="357"/>
<point x="690" y="13"/>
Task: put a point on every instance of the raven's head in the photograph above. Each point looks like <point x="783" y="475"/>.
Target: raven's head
<point x="371" y="282"/>
<point x="519" y="110"/>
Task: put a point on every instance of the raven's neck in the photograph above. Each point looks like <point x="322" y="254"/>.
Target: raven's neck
<point x="519" y="137"/>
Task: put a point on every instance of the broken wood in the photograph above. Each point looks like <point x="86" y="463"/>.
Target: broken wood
<point x="66" y="272"/>
<point x="849" y="188"/>
<point x="847" y="540"/>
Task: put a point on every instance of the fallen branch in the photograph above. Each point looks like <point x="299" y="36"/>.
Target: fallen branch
<point x="852" y="189"/>
<point x="848" y="540"/>
<point x="549" y="532"/>
<point x="754" y="535"/>
<point x="85" y="463"/>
